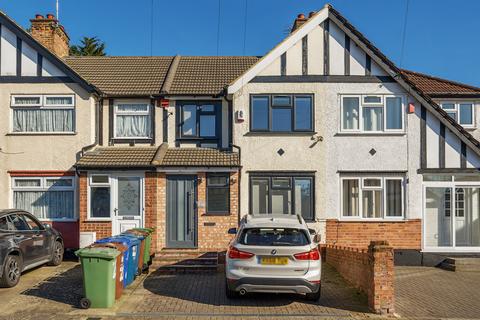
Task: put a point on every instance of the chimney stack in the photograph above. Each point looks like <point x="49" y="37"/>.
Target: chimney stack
<point x="300" y="20"/>
<point x="51" y="34"/>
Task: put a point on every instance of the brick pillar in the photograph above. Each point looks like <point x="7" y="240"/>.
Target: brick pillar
<point x="161" y="231"/>
<point x="381" y="296"/>
<point x="151" y="216"/>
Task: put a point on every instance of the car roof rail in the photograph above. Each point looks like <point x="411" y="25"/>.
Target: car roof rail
<point x="299" y="217"/>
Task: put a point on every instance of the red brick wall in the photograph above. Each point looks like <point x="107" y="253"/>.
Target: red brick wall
<point x="358" y="234"/>
<point x="53" y="37"/>
<point x="371" y="271"/>
<point x="151" y="184"/>
<point x="212" y="229"/>
<point x="102" y="228"/>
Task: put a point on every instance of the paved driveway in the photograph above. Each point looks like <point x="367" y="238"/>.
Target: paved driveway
<point x="53" y="293"/>
<point x="422" y="292"/>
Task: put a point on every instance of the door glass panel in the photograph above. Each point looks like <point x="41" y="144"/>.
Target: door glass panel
<point x="438" y="217"/>
<point x="33" y="224"/>
<point x="467" y="223"/>
<point x="128" y="196"/>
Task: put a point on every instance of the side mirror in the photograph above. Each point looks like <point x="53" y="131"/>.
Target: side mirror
<point x="312" y="231"/>
<point x="317" y="238"/>
<point x="232" y="231"/>
<point x="47" y="226"/>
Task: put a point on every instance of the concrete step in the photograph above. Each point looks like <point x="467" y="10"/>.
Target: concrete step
<point x="461" y="264"/>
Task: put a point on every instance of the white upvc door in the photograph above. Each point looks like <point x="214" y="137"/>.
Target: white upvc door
<point x="128" y="202"/>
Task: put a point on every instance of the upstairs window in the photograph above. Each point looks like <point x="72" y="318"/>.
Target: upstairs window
<point x="43" y="113"/>
<point x="198" y="120"/>
<point x="372" y="113"/>
<point x="281" y="113"/>
<point x="462" y="112"/>
<point x="132" y="120"/>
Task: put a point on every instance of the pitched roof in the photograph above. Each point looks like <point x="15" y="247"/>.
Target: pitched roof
<point x="434" y="86"/>
<point x="208" y="75"/>
<point x="137" y="76"/>
<point x="199" y="157"/>
<point x="123" y="76"/>
<point x="161" y="156"/>
<point x="117" y="157"/>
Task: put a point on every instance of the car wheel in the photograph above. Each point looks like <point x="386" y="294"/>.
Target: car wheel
<point x="11" y="272"/>
<point x="231" y="294"/>
<point x="314" y="296"/>
<point x="57" y="255"/>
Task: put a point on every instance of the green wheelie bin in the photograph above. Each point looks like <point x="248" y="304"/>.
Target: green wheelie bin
<point x="148" y="244"/>
<point x="99" y="276"/>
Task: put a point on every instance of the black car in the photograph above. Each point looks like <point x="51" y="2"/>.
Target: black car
<point x="25" y="243"/>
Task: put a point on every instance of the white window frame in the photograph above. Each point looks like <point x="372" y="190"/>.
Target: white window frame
<point x="14" y="104"/>
<point x="361" y="187"/>
<point x="43" y="187"/>
<point x="361" y="129"/>
<point x="42" y="106"/>
<point x="96" y="184"/>
<point x="131" y="113"/>
<point x="381" y="103"/>
<point x="456" y="110"/>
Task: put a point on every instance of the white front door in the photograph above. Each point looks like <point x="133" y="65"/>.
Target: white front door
<point x="128" y="199"/>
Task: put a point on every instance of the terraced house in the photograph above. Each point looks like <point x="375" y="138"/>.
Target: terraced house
<point x="324" y="126"/>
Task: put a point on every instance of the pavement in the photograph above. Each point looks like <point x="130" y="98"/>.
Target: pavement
<point x="421" y="293"/>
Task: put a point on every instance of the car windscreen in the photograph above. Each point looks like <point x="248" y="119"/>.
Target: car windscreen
<point x="274" y="237"/>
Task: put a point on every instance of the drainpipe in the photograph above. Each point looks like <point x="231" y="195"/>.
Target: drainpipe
<point x="90" y="146"/>
<point x="239" y="195"/>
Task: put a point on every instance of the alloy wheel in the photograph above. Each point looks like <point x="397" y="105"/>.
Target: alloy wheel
<point x="13" y="270"/>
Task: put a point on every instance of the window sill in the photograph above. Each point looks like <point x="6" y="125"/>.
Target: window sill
<point x="368" y="134"/>
<point x="41" y="134"/>
<point x="281" y="134"/>
<point x="219" y="214"/>
<point x="98" y="220"/>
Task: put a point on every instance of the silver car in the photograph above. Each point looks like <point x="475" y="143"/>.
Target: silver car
<point x="273" y="253"/>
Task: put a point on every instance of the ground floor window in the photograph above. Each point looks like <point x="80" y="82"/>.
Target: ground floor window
<point x="451" y="211"/>
<point x="48" y="198"/>
<point x="282" y="194"/>
<point x="100" y="196"/>
<point x="372" y="197"/>
<point x="218" y="193"/>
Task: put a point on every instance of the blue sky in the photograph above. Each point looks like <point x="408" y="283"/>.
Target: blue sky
<point x="441" y="37"/>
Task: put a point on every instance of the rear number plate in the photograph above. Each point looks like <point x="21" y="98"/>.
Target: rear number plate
<point x="274" y="260"/>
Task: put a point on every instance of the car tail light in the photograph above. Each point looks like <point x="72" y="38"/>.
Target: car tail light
<point x="310" y="255"/>
<point x="234" y="253"/>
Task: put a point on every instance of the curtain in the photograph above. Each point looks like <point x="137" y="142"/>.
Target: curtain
<point x="394" y="112"/>
<point x="42" y="120"/>
<point x="45" y="204"/>
<point x="350" y="113"/>
<point x="133" y="126"/>
<point x="373" y="118"/>
<point x="372" y="203"/>
<point x="350" y="198"/>
<point x="59" y="101"/>
<point x="27" y="182"/>
<point x="394" y="198"/>
<point x="27" y="100"/>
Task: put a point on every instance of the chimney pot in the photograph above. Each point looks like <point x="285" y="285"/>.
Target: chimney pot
<point x="301" y="16"/>
<point x="49" y="33"/>
<point x="50" y="16"/>
<point x="39" y="16"/>
<point x="311" y="14"/>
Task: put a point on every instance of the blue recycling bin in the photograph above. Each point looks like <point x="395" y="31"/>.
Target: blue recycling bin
<point x="130" y="257"/>
<point x="141" y="238"/>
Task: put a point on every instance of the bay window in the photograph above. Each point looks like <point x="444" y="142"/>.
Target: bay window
<point x="132" y="120"/>
<point x="281" y="113"/>
<point x="289" y="194"/>
<point x="372" y="113"/>
<point x="462" y="112"/>
<point x="43" y="113"/>
<point x="48" y="198"/>
<point x="372" y="197"/>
